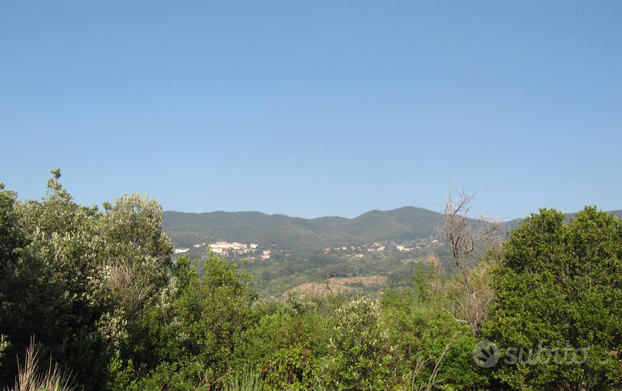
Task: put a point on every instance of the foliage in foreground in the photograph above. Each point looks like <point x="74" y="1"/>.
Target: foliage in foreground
<point x="30" y="377"/>
<point x="560" y="287"/>
<point x="101" y="295"/>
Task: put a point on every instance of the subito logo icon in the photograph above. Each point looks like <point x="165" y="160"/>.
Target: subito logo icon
<point x="486" y="354"/>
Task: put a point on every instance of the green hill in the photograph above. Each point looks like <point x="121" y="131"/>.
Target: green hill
<point x="298" y="260"/>
<point x="299" y="234"/>
<point x="294" y="233"/>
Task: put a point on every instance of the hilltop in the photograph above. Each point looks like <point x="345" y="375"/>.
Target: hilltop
<point x="299" y="234"/>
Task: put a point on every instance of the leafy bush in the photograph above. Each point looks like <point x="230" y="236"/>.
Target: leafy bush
<point x="561" y="284"/>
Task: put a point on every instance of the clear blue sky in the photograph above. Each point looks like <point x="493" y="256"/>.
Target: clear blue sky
<point x="313" y="108"/>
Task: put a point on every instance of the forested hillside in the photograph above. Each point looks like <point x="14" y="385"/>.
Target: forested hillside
<point x="373" y="252"/>
<point x="298" y="234"/>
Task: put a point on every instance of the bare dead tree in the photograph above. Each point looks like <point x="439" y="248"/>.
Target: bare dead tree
<point x="459" y="233"/>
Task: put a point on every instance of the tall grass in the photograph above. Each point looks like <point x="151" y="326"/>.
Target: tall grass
<point x="29" y="378"/>
<point x="246" y="380"/>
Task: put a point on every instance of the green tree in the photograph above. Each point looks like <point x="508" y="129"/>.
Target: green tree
<point x="11" y="241"/>
<point x="560" y="287"/>
<point x="432" y="350"/>
<point x="10" y="235"/>
<point x="191" y="331"/>
<point x="361" y="354"/>
<point x="290" y="340"/>
<point x="78" y="279"/>
<point x="283" y="346"/>
<point x="51" y="288"/>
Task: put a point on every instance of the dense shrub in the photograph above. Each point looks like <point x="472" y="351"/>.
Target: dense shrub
<point x="101" y="295"/>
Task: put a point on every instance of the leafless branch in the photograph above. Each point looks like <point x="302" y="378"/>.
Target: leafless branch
<point x="462" y="233"/>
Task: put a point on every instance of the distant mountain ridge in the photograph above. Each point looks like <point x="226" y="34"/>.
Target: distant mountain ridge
<point x="406" y="223"/>
<point x="295" y="233"/>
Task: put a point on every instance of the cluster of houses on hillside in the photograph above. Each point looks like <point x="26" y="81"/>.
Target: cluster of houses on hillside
<point x="376" y="247"/>
<point x="235" y="247"/>
<point x="223" y="248"/>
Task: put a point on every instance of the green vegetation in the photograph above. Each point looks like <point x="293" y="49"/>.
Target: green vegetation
<point x="560" y="286"/>
<point x="298" y="234"/>
<point x="298" y="246"/>
<point x="100" y="295"/>
<point x="32" y="378"/>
